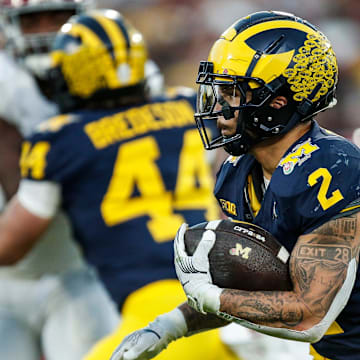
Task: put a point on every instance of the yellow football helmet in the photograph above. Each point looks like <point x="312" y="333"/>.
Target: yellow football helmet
<point x="97" y="58"/>
<point x="268" y="54"/>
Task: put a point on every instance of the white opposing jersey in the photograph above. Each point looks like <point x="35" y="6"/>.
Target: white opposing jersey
<point x="21" y="102"/>
<point x="23" y="105"/>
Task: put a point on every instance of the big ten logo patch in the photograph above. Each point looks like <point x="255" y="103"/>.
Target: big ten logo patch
<point x="228" y="206"/>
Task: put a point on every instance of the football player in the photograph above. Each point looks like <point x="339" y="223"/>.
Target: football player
<point x="45" y="299"/>
<point x="127" y="171"/>
<point x="266" y="78"/>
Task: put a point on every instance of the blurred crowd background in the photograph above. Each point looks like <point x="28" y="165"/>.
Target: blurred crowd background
<point x="180" y="33"/>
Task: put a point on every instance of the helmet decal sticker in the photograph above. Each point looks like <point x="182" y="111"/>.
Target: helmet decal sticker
<point x="314" y="64"/>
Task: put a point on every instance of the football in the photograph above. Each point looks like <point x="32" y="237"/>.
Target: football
<point x="244" y="256"/>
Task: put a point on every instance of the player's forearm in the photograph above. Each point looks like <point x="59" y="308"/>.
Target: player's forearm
<point x="320" y="267"/>
<point x="19" y="231"/>
<point x="265" y="314"/>
<point x="197" y="322"/>
<point x="268" y="313"/>
<point x="281" y="309"/>
<point x="288" y="314"/>
<point x="316" y="284"/>
<point x="305" y="314"/>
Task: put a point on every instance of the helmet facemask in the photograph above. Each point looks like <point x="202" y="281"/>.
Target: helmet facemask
<point x="229" y="96"/>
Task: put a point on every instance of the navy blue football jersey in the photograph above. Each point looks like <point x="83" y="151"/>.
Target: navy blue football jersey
<point x="129" y="178"/>
<point x="317" y="180"/>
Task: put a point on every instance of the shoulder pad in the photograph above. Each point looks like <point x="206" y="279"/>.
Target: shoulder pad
<point x="319" y="177"/>
<point x="230" y="167"/>
<point x="58" y="149"/>
<point x="336" y="154"/>
<point x="56" y="123"/>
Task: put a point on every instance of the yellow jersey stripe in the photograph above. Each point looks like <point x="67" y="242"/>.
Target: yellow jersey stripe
<point x="255" y="204"/>
<point x="316" y="355"/>
<point x="334" y="329"/>
<point x="350" y="208"/>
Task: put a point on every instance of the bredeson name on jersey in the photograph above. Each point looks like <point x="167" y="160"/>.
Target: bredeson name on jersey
<point x="138" y="121"/>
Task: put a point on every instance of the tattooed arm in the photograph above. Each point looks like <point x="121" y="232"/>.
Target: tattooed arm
<point x="319" y="266"/>
<point x="322" y="264"/>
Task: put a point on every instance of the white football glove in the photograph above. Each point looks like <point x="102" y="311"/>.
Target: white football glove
<point x="194" y="272"/>
<point x="146" y="343"/>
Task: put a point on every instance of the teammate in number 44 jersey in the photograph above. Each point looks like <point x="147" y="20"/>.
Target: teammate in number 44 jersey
<point x="127" y="171"/>
<point x="266" y="78"/>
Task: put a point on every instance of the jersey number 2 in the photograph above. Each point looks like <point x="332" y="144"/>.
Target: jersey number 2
<point x="135" y="168"/>
<point x="325" y="201"/>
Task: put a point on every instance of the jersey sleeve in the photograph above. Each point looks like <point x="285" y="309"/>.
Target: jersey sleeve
<point x="50" y="153"/>
<point x="41" y="198"/>
<point x="323" y="186"/>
